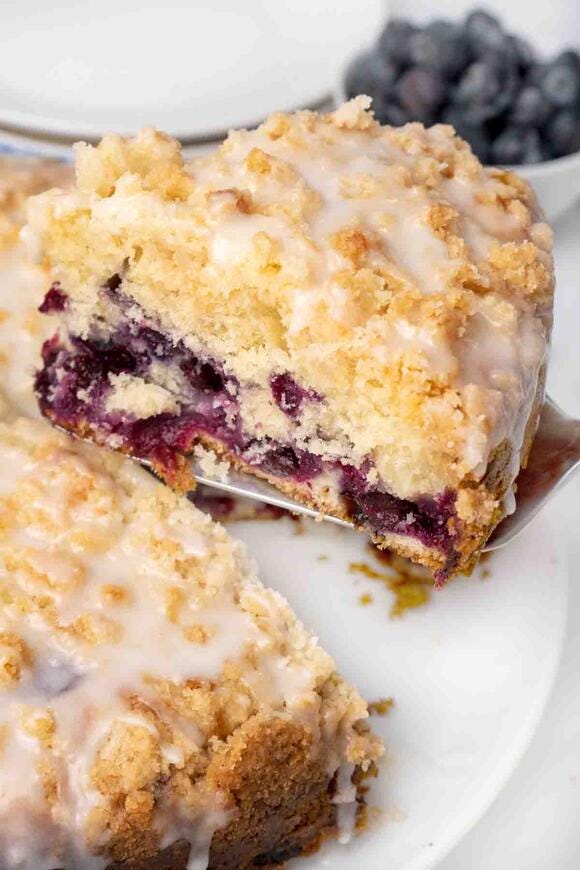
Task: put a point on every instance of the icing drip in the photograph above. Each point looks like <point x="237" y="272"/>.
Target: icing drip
<point x="346" y="803"/>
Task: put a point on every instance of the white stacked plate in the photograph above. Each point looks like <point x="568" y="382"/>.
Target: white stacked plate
<point x="79" y="69"/>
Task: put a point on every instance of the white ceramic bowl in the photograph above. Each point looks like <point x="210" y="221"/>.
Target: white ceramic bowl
<point x="556" y="182"/>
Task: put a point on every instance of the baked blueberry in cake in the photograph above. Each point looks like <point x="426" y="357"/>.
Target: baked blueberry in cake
<point x="159" y="707"/>
<point x="357" y="313"/>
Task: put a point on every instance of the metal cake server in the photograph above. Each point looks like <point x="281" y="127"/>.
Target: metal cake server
<point x="554" y="459"/>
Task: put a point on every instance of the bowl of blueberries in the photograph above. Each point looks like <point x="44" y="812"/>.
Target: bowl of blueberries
<point x="515" y="108"/>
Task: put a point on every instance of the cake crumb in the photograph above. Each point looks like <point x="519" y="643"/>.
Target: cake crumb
<point x="381" y="707"/>
<point x="136" y="396"/>
<point x="200" y="634"/>
<point x="365" y="599"/>
<point x="366" y="570"/>
<point x="485" y="572"/>
<point x="212" y="467"/>
<point x="409" y="584"/>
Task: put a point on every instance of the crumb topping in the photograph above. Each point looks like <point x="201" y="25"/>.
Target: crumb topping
<point x="22" y="283"/>
<point x="383" y="268"/>
<point x="20" y="178"/>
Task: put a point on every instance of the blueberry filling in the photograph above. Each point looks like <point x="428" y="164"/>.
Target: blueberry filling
<point x="73" y="387"/>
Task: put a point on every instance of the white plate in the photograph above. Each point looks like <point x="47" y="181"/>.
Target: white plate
<point x="470" y="674"/>
<point x="193" y="69"/>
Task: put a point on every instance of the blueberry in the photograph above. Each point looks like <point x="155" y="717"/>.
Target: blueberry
<point x="508" y="147"/>
<point x="570" y="58"/>
<point x="532" y="151"/>
<point x="562" y="133"/>
<point x="517" y="145"/>
<point x="384" y="75"/>
<point x="369" y="74"/>
<point x="439" y="46"/>
<point x="483" y="31"/>
<point x="288" y="461"/>
<point x="521" y="51"/>
<point x="394" y="41"/>
<point x="475" y="134"/>
<point x="55" y="676"/>
<point x="210" y="379"/>
<point x="535" y="74"/>
<point x="560" y="83"/>
<point x="55" y="300"/>
<point x="289" y="395"/>
<point x="531" y="107"/>
<point x="420" y="93"/>
<point x="389" y="112"/>
<point x="486" y="88"/>
<point x="359" y="78"/>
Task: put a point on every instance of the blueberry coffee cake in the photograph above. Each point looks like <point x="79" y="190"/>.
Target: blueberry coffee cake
<point x="159" y="706"/>
<point x="358" y="314"/>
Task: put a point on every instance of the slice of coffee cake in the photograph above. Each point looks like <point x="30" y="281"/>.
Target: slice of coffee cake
<point x="357" y="313"/>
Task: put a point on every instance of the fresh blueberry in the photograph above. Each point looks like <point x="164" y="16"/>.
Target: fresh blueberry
<point x="389" y="112"/>
<point x="570" y="58"/>
<point x="394" y="41"/>
<point x="562" y="133"/>
<point x="486" y="88"/>
<point x="521" y="51"/>
<point x="359" y="78"/>
<point x="475" y="134"/>
<point x="531" y="107"/>
<point x="439" y="46"/>
<point x="483" y="32"/>
<point x="560" y="84"/>
<point x="535" y="74"/>
<point x="420" y="93"/>
<point x="507" y="149"/>
<point x="369" y="74"/>
<point x="384" y="75"/>
<point x="532" y="151"/>
<point x="517" y="145"/>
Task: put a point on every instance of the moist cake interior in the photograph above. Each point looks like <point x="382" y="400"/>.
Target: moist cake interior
<point x="75" y="387"/>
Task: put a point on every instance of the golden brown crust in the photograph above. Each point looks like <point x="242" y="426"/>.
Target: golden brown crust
<point x="282" y="797"/>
